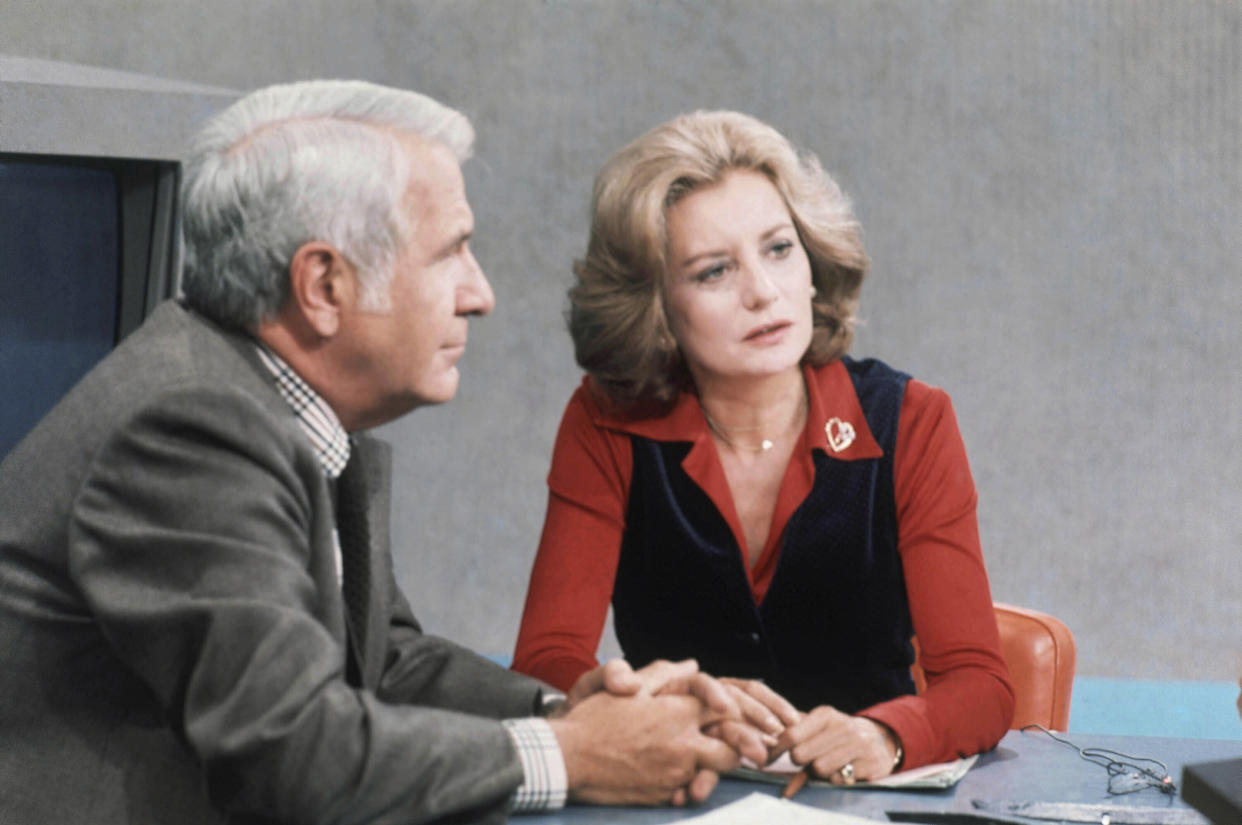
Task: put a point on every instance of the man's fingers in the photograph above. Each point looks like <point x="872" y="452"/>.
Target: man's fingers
<point x="615" y="676"/>
<point x="716" y="697"/>
<point x="588" y="683"/>
<point x="713" y="754"/>
<point x="640" y="749"/>
<point x="619" y="679"/>
<point x="702" y="785"/>
<point x="656" y="676"/>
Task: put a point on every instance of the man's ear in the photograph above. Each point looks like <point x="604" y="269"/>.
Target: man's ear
<point x="321" y="285"/>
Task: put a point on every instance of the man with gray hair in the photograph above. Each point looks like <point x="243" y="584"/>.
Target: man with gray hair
<point x="198" y="612"/>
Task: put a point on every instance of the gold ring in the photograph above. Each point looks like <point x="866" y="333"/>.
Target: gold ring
<point x="847" y="773"/>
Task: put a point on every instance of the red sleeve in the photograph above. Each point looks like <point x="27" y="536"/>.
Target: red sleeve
<point x="968" y="703"/>
<point x="572" y="579"/>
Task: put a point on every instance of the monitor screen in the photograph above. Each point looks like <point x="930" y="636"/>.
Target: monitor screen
<point x="84" y="255"/>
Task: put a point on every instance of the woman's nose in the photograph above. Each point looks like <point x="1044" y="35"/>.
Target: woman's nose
<point x="760" y="289"/>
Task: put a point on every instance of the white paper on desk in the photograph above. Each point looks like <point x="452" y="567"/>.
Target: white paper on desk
<point x="933" y="777"/>
<point x="761" y="809"/>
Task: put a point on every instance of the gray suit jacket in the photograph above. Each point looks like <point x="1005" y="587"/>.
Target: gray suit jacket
<point x="172" y="633"/>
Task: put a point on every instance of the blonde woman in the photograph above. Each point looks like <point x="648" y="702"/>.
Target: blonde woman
<point x="740" y="490"/>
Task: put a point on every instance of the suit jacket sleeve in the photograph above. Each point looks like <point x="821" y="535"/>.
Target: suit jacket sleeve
<point x="429" y="670"/>
<point x="401" y="663"/>
<point x="199" y="544"/>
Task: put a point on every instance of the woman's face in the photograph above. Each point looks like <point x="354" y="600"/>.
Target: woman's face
<point x="738" y="287"/>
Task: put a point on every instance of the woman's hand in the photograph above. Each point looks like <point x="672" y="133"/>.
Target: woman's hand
<point x="765" y="715"/>
<point x="762" y="708"/>
<point x="840" y="748"/>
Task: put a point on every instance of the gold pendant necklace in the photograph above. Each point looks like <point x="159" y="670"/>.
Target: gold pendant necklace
<point x="764" y="445"/>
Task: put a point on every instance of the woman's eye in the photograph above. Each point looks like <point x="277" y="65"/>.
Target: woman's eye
<point x="712" y="273"/>
<point x="781" y="248"/>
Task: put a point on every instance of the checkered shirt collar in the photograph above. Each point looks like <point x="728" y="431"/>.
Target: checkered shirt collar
<point x="318" y="421"/>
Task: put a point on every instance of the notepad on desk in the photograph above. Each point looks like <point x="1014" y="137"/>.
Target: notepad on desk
<point x="929" y="777"/>
<point x="761" y="809"/>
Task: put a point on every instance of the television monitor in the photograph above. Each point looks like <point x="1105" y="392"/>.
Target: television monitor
<point x="87" y="248"/>
<point x="89" y="167"/>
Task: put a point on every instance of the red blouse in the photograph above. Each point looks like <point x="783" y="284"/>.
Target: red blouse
<point x="968" y="703"/>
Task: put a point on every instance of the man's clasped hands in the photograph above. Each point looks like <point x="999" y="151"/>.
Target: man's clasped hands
<point x="665" y="733"/>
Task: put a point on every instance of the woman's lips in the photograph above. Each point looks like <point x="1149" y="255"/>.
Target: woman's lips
<point x="768" y="333"/>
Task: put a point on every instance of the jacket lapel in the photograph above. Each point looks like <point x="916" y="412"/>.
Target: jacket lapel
<point x="362" y="524"/>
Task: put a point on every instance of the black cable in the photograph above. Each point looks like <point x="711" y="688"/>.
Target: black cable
<point x="1125" y="773"/>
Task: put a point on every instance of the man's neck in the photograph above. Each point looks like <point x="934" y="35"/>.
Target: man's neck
<point x="305" y="353"/>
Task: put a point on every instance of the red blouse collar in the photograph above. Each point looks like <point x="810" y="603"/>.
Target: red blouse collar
<point x="835" y="421"/>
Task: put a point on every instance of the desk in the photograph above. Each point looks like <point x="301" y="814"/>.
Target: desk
<point x="1023" y="767"/>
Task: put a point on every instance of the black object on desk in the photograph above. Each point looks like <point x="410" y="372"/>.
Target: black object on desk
<point x="1215" y="788"/>
<point x="1094" y="812"/>
<point x="993" y="812"/>
<point x="954" y="818"/>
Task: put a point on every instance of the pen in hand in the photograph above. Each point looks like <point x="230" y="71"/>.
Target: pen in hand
<point x="794" y="785"/>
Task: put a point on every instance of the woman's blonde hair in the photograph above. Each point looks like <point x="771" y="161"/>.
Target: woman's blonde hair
<point x="617" y="313"/>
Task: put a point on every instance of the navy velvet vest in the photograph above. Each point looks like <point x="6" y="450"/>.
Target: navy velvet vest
<point x="834" y="627"/>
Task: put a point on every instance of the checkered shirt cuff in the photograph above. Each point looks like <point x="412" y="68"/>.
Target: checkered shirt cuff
<point x="546" y="784"/>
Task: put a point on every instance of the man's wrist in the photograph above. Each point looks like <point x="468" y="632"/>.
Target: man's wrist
<point x="550" y="703"/>
<point x="546" y="784"/>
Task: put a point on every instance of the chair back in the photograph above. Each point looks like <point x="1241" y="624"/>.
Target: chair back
<point x="1040" y="653"/>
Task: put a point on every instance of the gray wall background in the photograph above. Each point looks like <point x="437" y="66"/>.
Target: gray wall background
<point x="1051" y="192"/>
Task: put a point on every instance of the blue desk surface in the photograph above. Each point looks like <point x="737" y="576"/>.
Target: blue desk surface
<point x="1024" y="767"/>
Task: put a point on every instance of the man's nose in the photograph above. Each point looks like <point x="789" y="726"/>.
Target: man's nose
<point x="476" y="296"/>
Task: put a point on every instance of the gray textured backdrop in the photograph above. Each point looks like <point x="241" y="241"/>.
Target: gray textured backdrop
<point x="1051" y="193"/>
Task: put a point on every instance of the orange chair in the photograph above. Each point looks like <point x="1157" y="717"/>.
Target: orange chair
<point x="1040" y="653"/>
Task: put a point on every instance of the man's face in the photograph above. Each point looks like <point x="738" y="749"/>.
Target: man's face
<point x="409" y="352"/>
